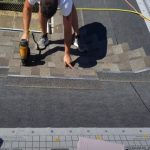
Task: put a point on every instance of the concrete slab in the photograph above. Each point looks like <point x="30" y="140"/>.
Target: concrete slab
<point x="56" y="82"/>
<point x="125" y="77"/>
<point x="106" y="106"/>
<point x="3" y="71"/>
<point x="13" y="20"/>
<point x="143" y="90"/>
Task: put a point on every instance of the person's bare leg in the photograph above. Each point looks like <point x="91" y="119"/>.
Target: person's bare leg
<point x="67" y="21"/>
<point x="27" y="12"/>
<point x="75" y="20"/>
<point x="43" y="22"/>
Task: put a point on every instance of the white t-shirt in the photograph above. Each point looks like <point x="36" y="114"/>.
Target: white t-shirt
<point x="64" y="5"/>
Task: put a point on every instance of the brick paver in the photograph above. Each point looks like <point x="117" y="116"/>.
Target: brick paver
<point x="50" y="63"/>
<point x="102" y="55"/>
<point x="53" y="65"/>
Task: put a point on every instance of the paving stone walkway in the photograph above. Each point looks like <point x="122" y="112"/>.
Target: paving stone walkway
<point x="119" y="58"/>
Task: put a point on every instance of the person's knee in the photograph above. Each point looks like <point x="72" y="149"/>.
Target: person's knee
<point x="27" y="5"/>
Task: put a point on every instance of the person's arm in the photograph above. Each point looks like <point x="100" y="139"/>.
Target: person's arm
<point x="67" y="39"/>
<point x="27" y="12"/>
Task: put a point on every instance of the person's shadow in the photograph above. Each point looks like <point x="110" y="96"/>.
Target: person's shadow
<point x="38" y="59"/>
<point x="93" y="39"/>
<point x="1" y="142"/>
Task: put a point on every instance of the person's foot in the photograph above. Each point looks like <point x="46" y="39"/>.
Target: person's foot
<point x="77" y="43"/>
<point x="43" y="42"/>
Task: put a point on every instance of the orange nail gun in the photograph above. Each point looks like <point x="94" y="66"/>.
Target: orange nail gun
<point x="24" y="51"/>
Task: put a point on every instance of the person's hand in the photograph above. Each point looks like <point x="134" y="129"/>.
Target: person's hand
<point x="68" y="60"/>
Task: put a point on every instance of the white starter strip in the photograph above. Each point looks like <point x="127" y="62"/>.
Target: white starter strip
<point x="67" y="138"/>
<point x="144" y="6"/>
<point x="73" y="131"/>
